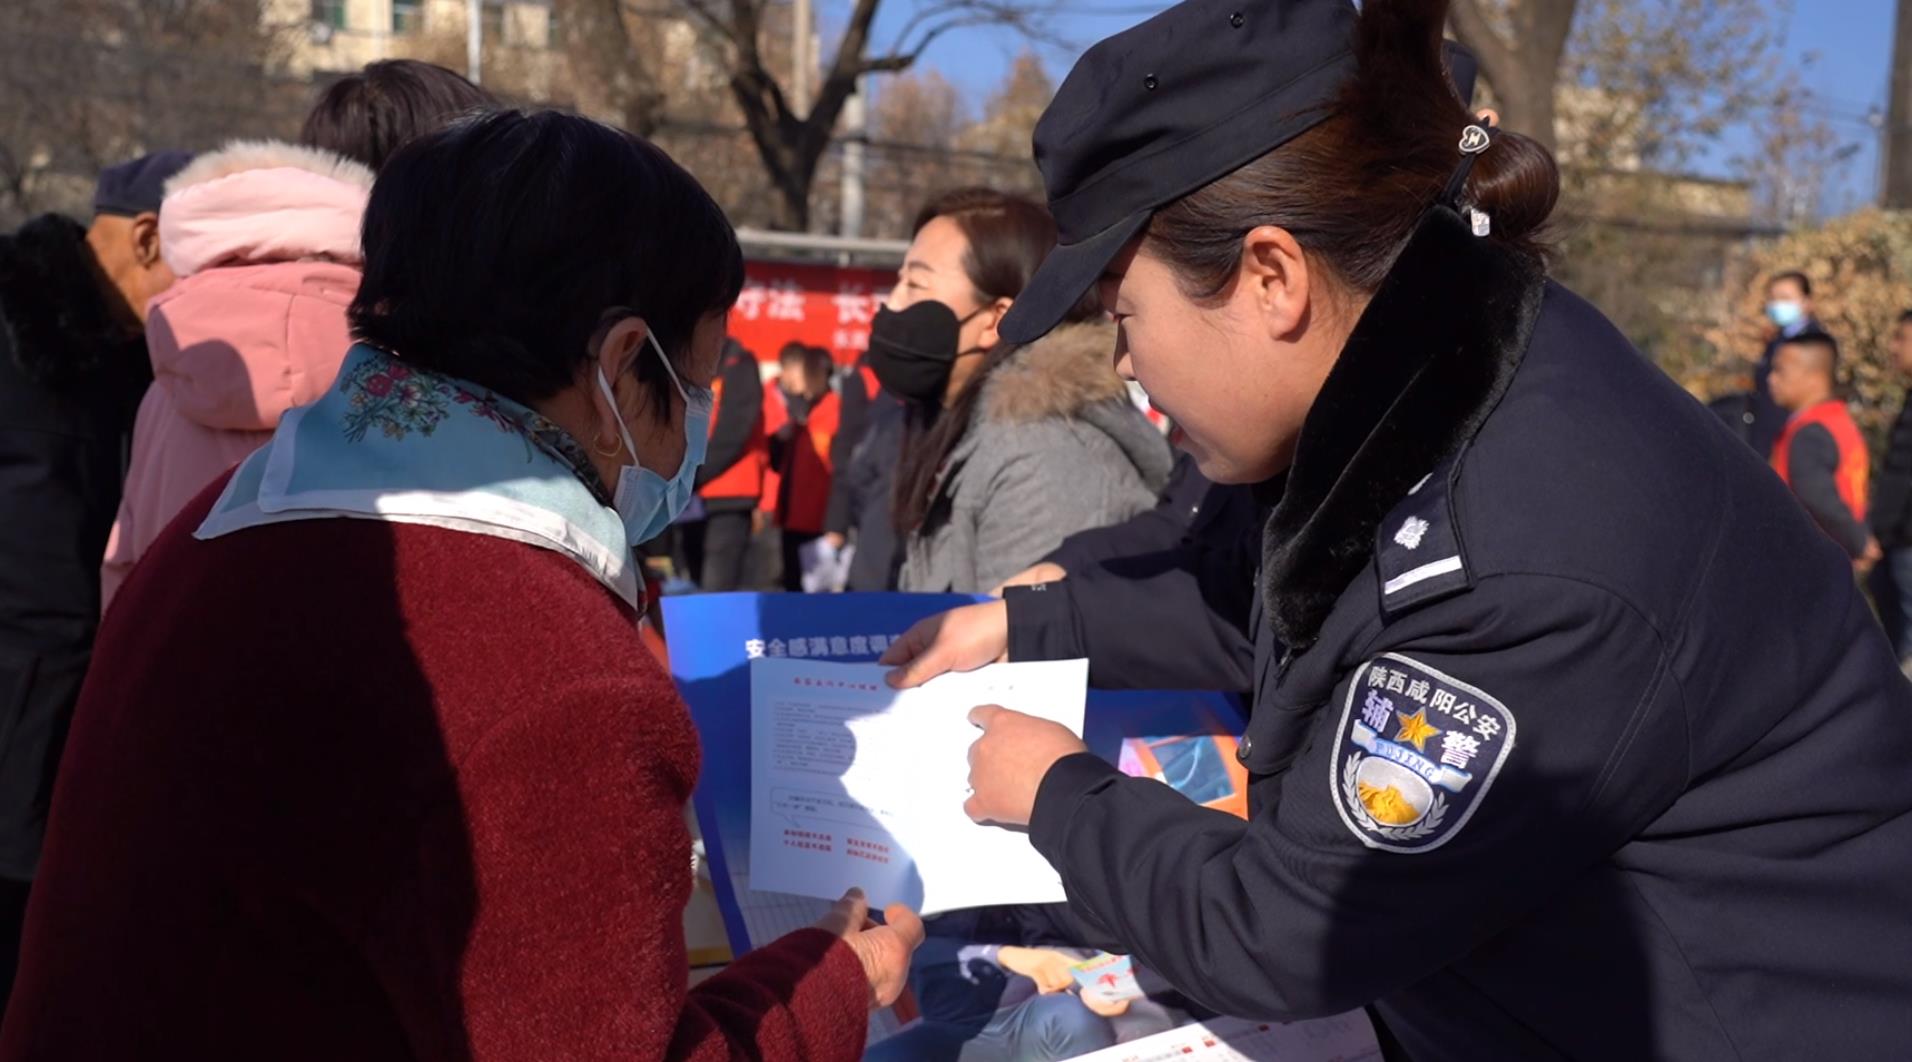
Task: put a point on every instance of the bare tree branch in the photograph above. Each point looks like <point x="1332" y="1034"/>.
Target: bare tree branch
<point x="1474" y="29"/>
<point x="792" y="145"/>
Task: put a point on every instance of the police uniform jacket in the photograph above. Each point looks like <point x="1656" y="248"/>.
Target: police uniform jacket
<point x="1584" y="744"/>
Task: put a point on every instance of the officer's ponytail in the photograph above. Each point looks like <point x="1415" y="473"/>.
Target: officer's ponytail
<point x="1353" y="188"/>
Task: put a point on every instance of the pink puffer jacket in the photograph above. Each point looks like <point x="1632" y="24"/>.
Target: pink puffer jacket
<point x="265" y="240"/>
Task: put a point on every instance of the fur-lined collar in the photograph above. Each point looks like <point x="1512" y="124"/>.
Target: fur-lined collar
<point x="1059" y="375"/>
<point x="1429" y="360"/>
<point x="244" y="156"/>
<point x="57" y="308"/>
<point x="255" y="202"/>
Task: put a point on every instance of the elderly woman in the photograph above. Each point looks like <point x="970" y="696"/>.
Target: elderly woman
<point x="372" y="763"/>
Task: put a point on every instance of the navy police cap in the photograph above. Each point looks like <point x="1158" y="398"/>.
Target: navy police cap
<point x="1164" y="108"/>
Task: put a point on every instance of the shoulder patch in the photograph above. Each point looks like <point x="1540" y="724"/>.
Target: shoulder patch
<point x="1414" y="753"/>
<point x="1418" y="551"/>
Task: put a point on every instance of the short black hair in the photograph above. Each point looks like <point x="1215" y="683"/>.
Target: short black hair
<point x="1821" y="342"/>
<point x="498" y="250"/>
<point x="1905" y="317"/>
<point x="1801" y="279"/>
<point x="369" y="115"/>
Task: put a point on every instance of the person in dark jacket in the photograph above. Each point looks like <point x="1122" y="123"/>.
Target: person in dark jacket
<point x="1789" y="313"/>
<point x="731" y="481"/>
<point x="1891" y="511"/>
<point x="857" y="392"/>
<point x="72" y="369"/>
<point x="1821" y="455"/>
<point x="865" y="489"/>
<point x="1540" y="771"/>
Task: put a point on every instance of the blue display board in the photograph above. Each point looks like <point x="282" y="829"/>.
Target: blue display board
<point x="713" y="638"/>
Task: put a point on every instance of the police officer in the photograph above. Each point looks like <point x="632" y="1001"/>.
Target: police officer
<point x="1583" y="743"/>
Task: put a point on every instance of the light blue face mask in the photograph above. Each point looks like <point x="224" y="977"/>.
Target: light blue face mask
<point x="1785" y="313"/>
<point x="646" y="501"/>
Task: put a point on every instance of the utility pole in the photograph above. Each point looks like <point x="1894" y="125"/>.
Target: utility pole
<point x="855" y="141"/>
<point x="1898" y="132"/>
<point x="381" y="29"/>
<point x="475" y="41"/>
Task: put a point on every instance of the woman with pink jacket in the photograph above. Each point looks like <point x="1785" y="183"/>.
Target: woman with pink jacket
<point x="264" y="237"/>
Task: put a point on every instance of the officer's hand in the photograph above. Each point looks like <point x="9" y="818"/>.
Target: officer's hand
<point x="1045" y="572"/>
<point x="883" y="950"/>
<point x="962" y="639"/>
<point x="1007" y="764"/>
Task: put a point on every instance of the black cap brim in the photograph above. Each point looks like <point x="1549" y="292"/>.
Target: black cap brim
<point x="1064" y="277"/>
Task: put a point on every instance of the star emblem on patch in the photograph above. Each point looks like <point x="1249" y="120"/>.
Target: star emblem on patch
<point x="1415" y="752"/>
<point x="1411" y="533"/>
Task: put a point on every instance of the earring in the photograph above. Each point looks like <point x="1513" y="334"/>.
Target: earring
<point x="616" y="448"/>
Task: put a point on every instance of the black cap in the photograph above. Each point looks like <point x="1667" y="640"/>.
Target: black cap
<point x="1164" y="108"/>
<point x="137" y="187"/>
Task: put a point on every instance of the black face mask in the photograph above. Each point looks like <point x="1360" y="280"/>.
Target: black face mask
<point x="912" y="350"/>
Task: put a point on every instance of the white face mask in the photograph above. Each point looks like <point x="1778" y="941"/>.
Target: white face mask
<point x="646" y="501"/>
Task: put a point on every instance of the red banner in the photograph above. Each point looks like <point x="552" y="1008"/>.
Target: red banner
<point x="821" y="305"/>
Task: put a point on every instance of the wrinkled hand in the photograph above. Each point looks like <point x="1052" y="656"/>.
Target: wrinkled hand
<point x="1045" y="572"/>
<point x="883" y="950"/>
<point x="962" y="639"/>
<point x="1050" y="970"/>
<point x="1007" y="763"/>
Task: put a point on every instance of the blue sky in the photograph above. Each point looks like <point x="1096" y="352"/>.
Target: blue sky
<point x="1851" y="40"/>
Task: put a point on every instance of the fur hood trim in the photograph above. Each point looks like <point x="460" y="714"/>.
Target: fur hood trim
<point x="1060" y="375"/>
<point x="255" y="202"/>
<point x="244" y="156"/>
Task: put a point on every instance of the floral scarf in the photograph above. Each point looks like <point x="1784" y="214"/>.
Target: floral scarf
<point x="397" y="443"/>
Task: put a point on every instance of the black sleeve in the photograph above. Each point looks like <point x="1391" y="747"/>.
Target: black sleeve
<point x="1312" y="907"/>
<point x="1176" y="619"/>
<point x="1812" y="467"/>
<point x="854" y="402"/>
<point x="737" y="418"/>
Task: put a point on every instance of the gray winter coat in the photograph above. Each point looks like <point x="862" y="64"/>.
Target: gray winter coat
<point x="1054" y="447"/>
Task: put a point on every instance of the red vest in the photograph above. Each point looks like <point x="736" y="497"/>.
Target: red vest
<point x="1855" y="463"/>
<point x="806" y="469"/>
<point x="745" y="478"/>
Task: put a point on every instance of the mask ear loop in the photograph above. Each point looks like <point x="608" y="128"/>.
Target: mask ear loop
<point x="1475" y="140"/>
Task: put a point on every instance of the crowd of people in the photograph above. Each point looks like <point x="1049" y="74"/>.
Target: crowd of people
<point x="341" y="474"/>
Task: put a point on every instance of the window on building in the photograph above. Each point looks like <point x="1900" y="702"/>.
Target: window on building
<point x="495" y="21"/>
<point x="408" y="16"/>
<point x="329" y="13"/>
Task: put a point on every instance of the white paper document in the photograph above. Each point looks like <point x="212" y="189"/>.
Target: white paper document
<point x="1342" y="1038"/>
<point x="853" y="783"/>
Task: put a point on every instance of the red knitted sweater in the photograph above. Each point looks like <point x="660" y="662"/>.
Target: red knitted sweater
<point x="346" y="789"/>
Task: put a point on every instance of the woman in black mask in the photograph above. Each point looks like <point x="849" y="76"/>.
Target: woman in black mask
<point x="1006" y="449"/>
